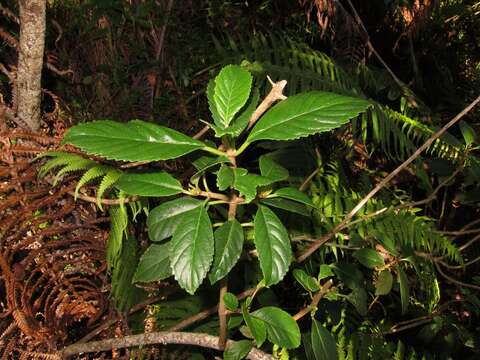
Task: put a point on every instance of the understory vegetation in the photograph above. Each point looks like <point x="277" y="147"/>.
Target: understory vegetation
<point x="253" y="179"/>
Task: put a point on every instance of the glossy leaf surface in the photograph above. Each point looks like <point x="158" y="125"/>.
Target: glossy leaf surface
<point x="154" y="265"/>
<point x="294" y="194"/>
<point x="154" y="184"/>
<point x="323" y="343"/>
<point x="239" y="350"/>
<point x="282" y="329"/>
<point x="191" y="250"/>
<point x="287" y="205"/>
<point x="133" y="141"/>
<point x="306" y="114"/>
<point x="273" y="245"/>
<point x="256" y="326"/>
<point x="232" y="90"/>
<point x="228" y="248"/>
<point x="163" y="220"/>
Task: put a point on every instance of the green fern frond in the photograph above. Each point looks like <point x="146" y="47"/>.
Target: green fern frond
<point x="90" y="175"/>
<point x="81" y="164"/>
<point x="73" y="162"/>
<point x="123" y="292"/>
<point x="334" y="199"/>
<point x="108" y="181"/>
<point x="418" y="233"/>
<point x="118" y="227"/>
<point x="282" y="57"/>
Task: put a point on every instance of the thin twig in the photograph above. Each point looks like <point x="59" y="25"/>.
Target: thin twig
<point x="133" y="310"/>
<point x="222" y="315"/>
<point x="94" y="200"/>
<point x="315" y="300"/>
<point x="163" y="337"/>
<point x="455" y="281"/>
<point x="274" y="95"/>
<point x="206" y="313"/>
<point x="370" y="46"/>
<point x="309" y="251"/>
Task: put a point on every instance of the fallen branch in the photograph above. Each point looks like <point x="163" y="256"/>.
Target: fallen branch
<point x="163" y="337"/>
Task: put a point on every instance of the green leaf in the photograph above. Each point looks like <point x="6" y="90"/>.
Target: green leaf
<point x="306" y="114"/>
<point x="273" y="245"/>
<point x="293" y="194"/>
<point x="271" y="170"/>
<point x="163" y="220"/>
<point x="325" y="271"/>
<point x="232" y="90"/>
<point x="211" y="102"/>
<point x="238" y="350"/>
<point x="225" y="177"/>
<point x="287" y="205"/>
<point x="468" y="133"/>
<point x="247" y="184"/>
<point x="349" y="274"/>
<point x="308" y="282"/>
<point x="369" y="258"/>
<point x="241" y="180"/>
<point x="231" y="301"/>
<point x="404" y="289"/>
<point x="256" y="326"/>
<point x="123" y="292"/>
<point x="191" y="250"/>
<point x="154" y="264"/>
<point x="384" y="283"/>
<point x="240" y="123"/>
<point x="358" y="298"/>
<point x="133" y="141"/>
<point x="323" y="343"/>
<point x="228" y="248"/>
<point x="282" y="329"/>
<point x="204" y="163"/>
<point x="153" y="184"/>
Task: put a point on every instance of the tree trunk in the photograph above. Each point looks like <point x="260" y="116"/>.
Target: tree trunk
<point x="30" y="61"/>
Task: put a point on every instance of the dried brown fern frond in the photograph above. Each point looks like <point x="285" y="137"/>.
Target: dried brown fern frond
<point x="52" y="255"/>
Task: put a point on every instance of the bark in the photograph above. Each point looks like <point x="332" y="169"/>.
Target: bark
<point x="30" y="61"/>
<point x="183" y="338"/>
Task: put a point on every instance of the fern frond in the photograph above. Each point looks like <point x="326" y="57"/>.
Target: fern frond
<point x="108" y="181"/>
<point x="282" y="57"/>
<point x="124" y="293"/>
<point x="90" y="175"/>
<point x="63" y="159"/>
<point x="118" y="227"/>
<point x="418" y="233"/>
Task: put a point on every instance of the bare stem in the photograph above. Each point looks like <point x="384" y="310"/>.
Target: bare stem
<point x="163" y="337"/>
<point x="315" y="300"/>
<point x="274" y="95"/>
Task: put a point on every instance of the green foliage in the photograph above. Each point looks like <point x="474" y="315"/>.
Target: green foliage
<point x="236" y="217"/>
<point x="154" y="264"/>
<point x="273" y="245"/>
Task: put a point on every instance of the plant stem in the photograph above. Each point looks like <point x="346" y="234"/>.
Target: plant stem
<point x="315" y="300"/>
<point x="214" y="151"/>
<point x="163" y="337"/>
<point x="242" y="148"/>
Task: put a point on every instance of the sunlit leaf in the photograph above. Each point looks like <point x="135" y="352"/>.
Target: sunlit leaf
<point x="273" y="245"/>
<point x="133" y="141"/>
<point x="191" y="249"/>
